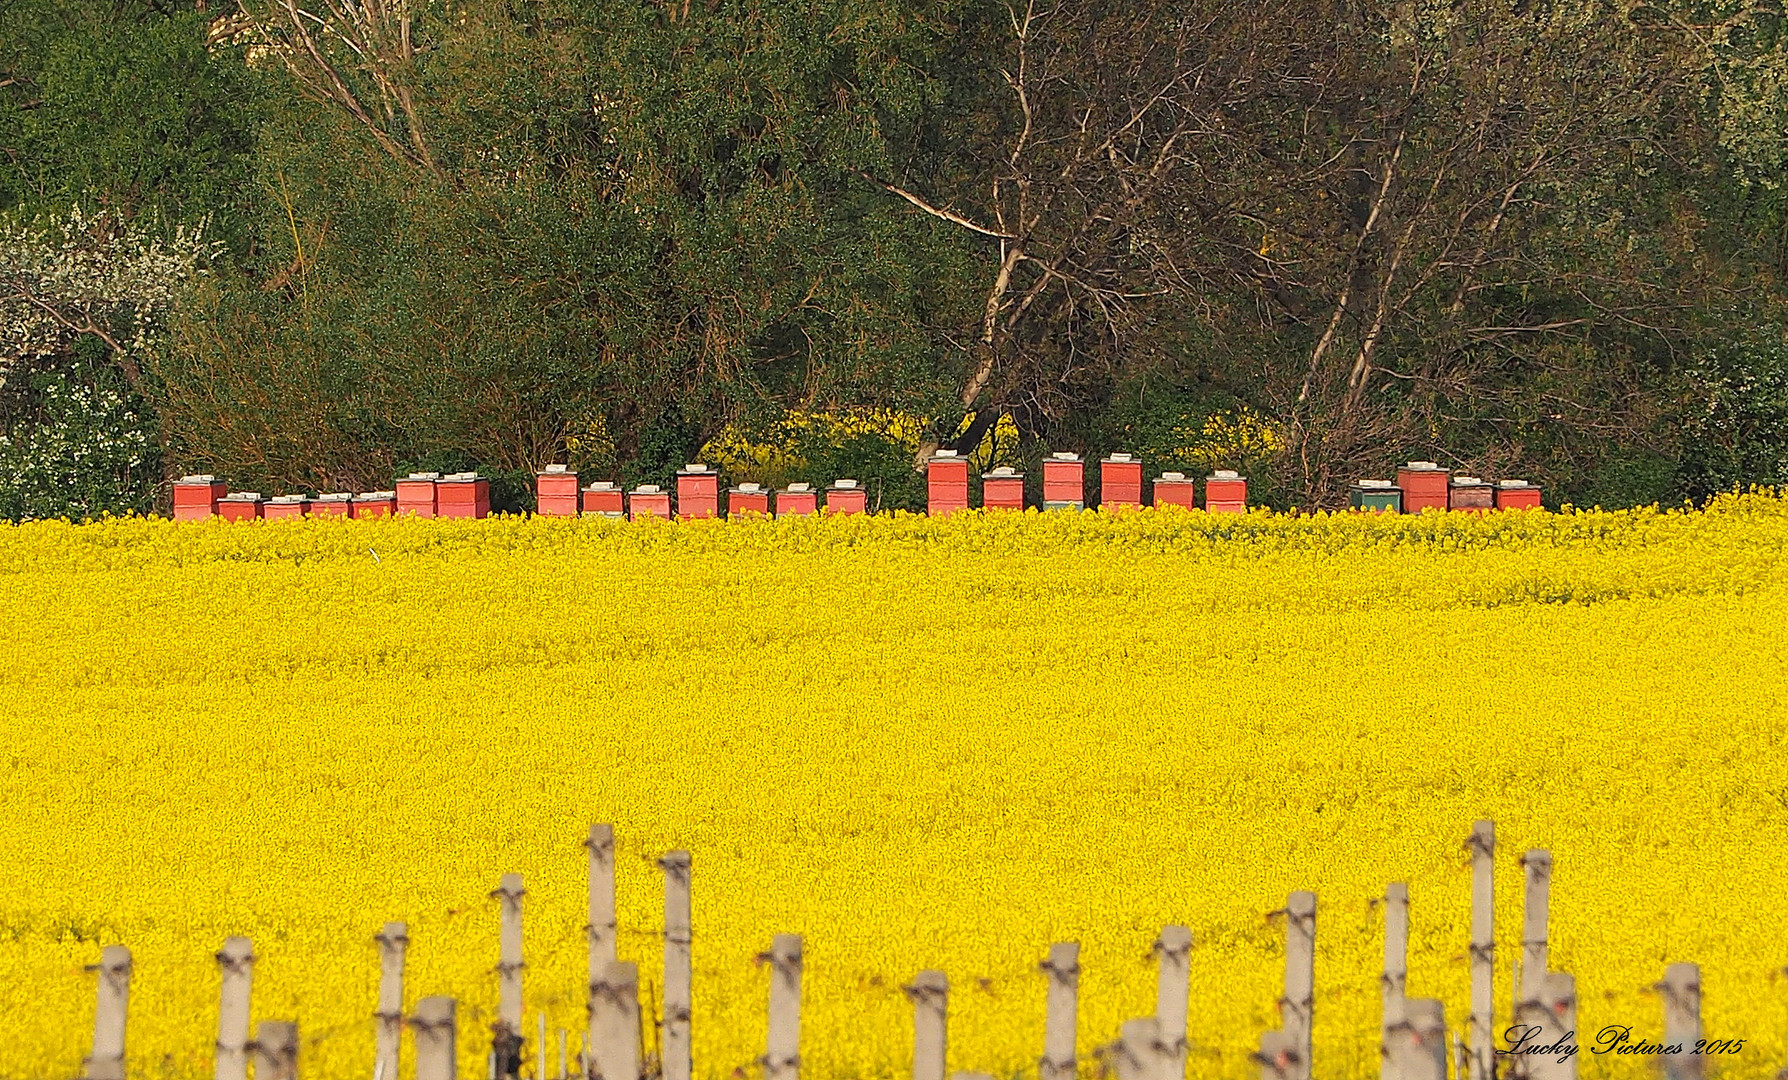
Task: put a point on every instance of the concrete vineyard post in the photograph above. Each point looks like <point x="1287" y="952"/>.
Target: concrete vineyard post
<point x="276" y="1050"/>
<point x="1396" y="970"/>
<point x="614" y="1023"/>
<point x="1537" y="866"/>
<point x="1416" y="1048"/>
<point x="1140" y="1053"/>
<point x="1483" y="949"/>
<point x="564" y="1062"/>
<point x="1681" y="991"/>
<point x="1063" y="1009"/>
<point x="1296" y="1007"/>
<point x="677" y="1063"/>
<point x="107" y="1059"/>
<point x="540" y="1058"/>
<point x="929" y="993"/>
<point x="1275" y="1057"/>
<point x="1173" y="993"/>
<point x="782" y="1046"/>
<point x="601" y="928"/>
<point x="507" y="1031"/>
<point x="235" y="963"/>
<point x="436" y="1039"/>
<point x="392" y="941"/>
<point x="1559" y="994"/>
<point x="1552" y="1010"/>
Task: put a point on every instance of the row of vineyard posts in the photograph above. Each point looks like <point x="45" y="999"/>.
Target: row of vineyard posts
<point x="1416" y="1041"/>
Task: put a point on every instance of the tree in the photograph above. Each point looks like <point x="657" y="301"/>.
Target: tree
<point x="1388" y="228"/>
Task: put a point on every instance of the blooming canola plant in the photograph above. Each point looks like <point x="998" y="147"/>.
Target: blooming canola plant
<point x="917" y="742"/>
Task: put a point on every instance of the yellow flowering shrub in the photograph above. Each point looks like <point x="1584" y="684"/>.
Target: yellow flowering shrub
<point x="773" y="453"/>
<point x="1225" y="438"/>
<point x="919" y="743"/>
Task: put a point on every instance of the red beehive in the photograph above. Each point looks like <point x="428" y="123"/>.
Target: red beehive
<point x="416" y="494"/>
<point x="1120" y="481"/>
<point x="195" y="497"/>
<point x="604" y="498"/>
<point x="1424" y="486"/>
<point x="797" y="499"/>
<point x="334" y="504"/>
<point x="946" y="483"/>
<point x="1470" y="493"/>
<point x="373" y="504"/>
<point x="747" y="499"/>
<point x="1225" y="492"/>
<point x="698" y="492"/>
<point x="847" y="497"/>
<point x="649" y="500"/>
<point x="1517" y="495"/>
<point x="555" y="492"/>
<point x="284" y="507"/>
<point x="1174" y="489"/>
<point x="1002" y="489"/>
<point x="240" y="506"/>
<point x="462" y="495"/>
<point x="1064" y="482"/>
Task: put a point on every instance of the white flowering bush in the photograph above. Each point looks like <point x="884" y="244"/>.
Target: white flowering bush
<point x="77" y="437"/>
<point x="85" y="450"/>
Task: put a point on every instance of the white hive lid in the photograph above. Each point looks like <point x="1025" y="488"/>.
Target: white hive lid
<point x="286" y="499"/>
<point x="1004" y="470"/>
<point x="375" y="496"/>
<point x="243" y="496"/>
<point x="423" y="476"/>
<point x="335" y="496"/>
<point x="844" y="483"/>
<point x="1119" y="457"/>
<point x="1226" y="474"/>
<point x="1375" y="484"/>
<point x="695" y="467"/>
<point x="1172" y="476"/>
<point x="1422" y="466"/>
<point x="647" y="489"/>
<point x="800" y="487"/>
<point x="601" y="485"/>
<point x="1467" y="481"/>
<point x="1065" y="455"/>
<point x="750" y="487"/>
<point x="200" y="478"/>
<point x="557" y="468"/>
<point x="1513" y="483"/>
<point x="460" y="476"/>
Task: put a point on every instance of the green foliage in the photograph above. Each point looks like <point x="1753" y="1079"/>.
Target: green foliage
<point x="603" y="231"/>
<point x="881" y="465"/>
<point x="1738" y="435"/>
<point x="75" y="441"/>
<point x="122" y="107"/>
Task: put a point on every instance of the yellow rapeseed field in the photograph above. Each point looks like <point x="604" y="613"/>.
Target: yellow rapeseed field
<point x="918" y="743"/>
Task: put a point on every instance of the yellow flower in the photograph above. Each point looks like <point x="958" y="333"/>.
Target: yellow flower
<point x="919" y="743"/>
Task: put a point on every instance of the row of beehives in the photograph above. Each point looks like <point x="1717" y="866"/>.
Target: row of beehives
<point x="1424" y="485"/>
<point x="456" y="495"/>
<point x="698" y="491"/>
<point x="1420" y="485"/>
